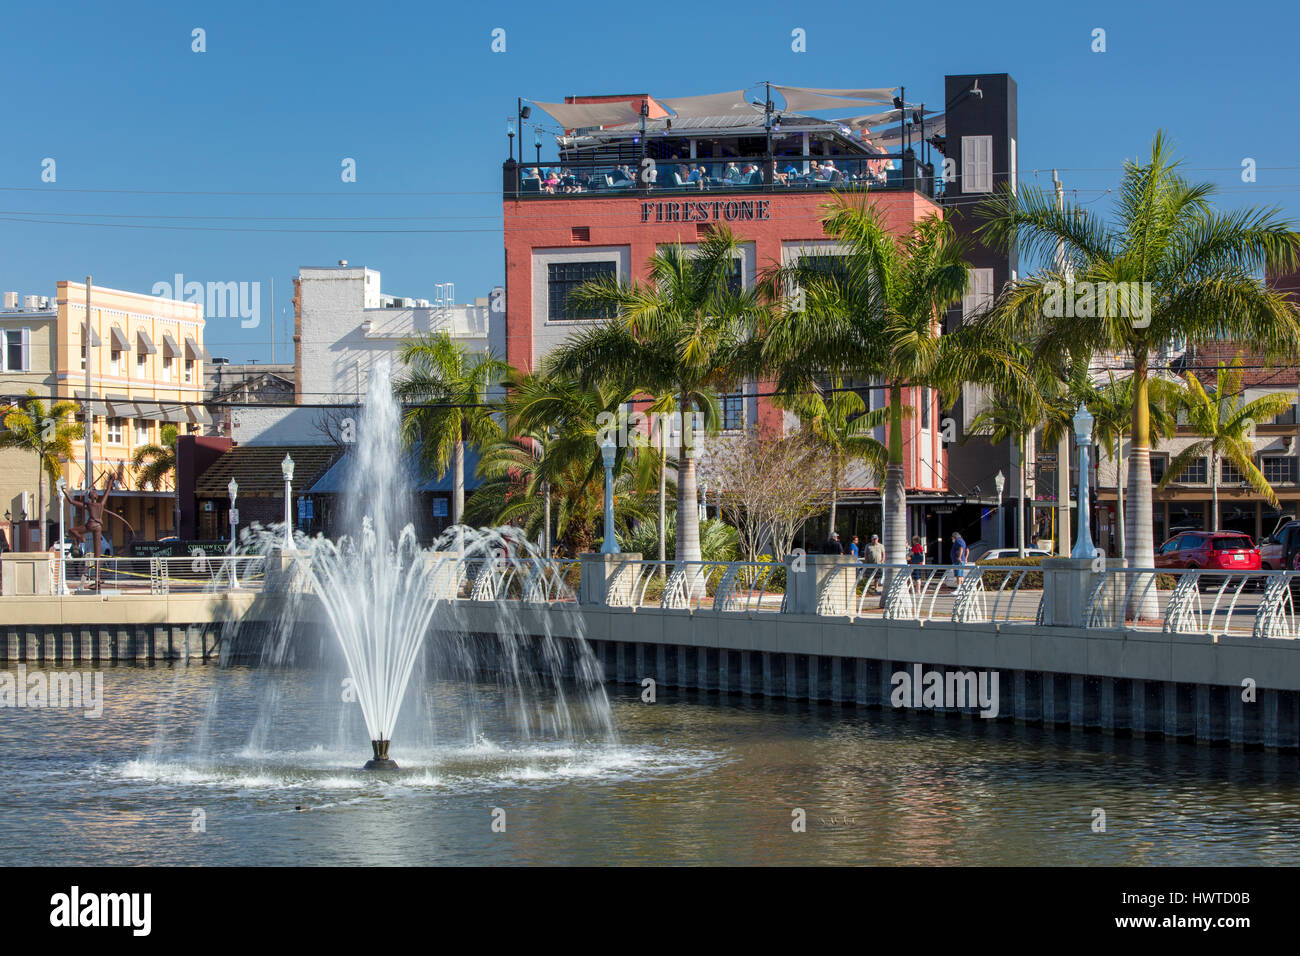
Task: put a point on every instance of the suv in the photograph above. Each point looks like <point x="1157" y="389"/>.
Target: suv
<point x="1209" y="550"/>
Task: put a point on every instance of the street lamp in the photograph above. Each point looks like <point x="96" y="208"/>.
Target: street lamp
<point x="233" y="489"/>
<point x="607" y="451"/>
<point x="286" y="468"/>
<point x="59" y="486"/>
<point x="1083" y="547"/>
<point x="1000" y="482"/>
<point x="704" y="501"/>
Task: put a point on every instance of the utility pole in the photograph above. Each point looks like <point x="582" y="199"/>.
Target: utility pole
<point x="86" y="340"/>
<point x="272" y="320"/>
<point x="1063" y="446"/>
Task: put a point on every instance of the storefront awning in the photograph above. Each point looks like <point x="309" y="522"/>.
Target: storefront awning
<point x="172" y="412"/>
<point x="97" y="406"/>
<point x="146" y="344"/>
<point x="147" y="410"/>
<point x="120" y="342"/>
<point x="193" y="351"/>
<point x="169" y="346"/>
<point x="119" y="406"/>
<point x="199" y="415"/>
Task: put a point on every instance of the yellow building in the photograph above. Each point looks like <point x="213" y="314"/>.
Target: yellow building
<point x="27" y="337"/>
<point x="146" y="370"/>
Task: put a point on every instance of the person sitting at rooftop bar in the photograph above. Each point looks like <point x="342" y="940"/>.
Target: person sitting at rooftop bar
<point x="777" y="176"/>
<point x="696" y="177"/>
<point x="732" y="174"/>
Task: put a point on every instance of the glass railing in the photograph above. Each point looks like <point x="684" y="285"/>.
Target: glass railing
<point x="550" y="179"/>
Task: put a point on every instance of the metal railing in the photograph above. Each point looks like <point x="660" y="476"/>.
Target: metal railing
<point x="155" y="575"/>
<point x="1195" y="601"/>
<point x="729" y="174"/>
<point x="732" y="586"/>
<point x="963" y="594"/>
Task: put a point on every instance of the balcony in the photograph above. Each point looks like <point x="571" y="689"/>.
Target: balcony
<point x="732" y="176"/>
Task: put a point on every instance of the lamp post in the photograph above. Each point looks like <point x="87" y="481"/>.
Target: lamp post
<point x="286" y="468"/>
<point x="607" y="451"/>
<point x="59" y="485"/>
<point x="1083" y="547"/>
<point x="704" y="501"/>
<point x="233" y="488"/>
<point x="1000" y="482"/>
<point x="510" y="131"/>
<point x="537" y="144"/>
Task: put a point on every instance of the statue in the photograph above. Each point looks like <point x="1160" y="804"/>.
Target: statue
<point x="95" y="506"/>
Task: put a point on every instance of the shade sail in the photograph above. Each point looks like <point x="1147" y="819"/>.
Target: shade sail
<point x="711" y="104"/>
<point x="194" y="351"/>
<point x="575" y="115"/>
<point x="935" y="126"/>
<point x="802" y="97"/>
<point x="146" y="344"/>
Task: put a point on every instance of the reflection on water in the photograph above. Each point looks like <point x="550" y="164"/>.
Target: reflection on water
<point x="696" y="778"/>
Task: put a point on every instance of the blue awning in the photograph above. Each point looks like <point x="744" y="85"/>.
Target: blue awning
<point x="335" y="481"/>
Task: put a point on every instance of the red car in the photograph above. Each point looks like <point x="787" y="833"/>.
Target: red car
<point x="1209" y="550"/>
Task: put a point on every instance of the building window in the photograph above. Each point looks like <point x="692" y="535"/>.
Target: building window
<point x="1229" y="474"/>
<point x="83" y="354"/>
<point x="142" y="364"/>
<point x="825" y="264"/>
<point x="976" y="164"/>
<point x="926" y="398"/>
<point x="1159" y="463"/>
<point x="735" y="281"/>
<point x="16" y="350"/>
<point x="979" y="293"/>
<point x="1196" y="473"/>
<point x="189" y="371"/>
<point x="142" y="431"/>
<point x="1287" y="417"/>
<point x="114" y="362"/>
<point x="113" y="431"/>
<point x="1278" y="469"/>
<point x="167" y="368"/>
<point x="733" y="411"/>
<point x="564" y="278"/>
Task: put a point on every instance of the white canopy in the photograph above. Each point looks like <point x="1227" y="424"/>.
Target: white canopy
<point x="712" y="104"/>
<point x="575" y="115"/>
<point x="799" y="97"/>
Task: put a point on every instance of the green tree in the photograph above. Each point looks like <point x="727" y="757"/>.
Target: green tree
<point x="46" y="432"/>
<point x="155" y="461"/>
<point x="877" y="313"/>
<point x="838" y="421"/>
<point x="1226" y="423"/>
<point x="683" y="333"/>
<point x="1195" y="274"/>
<point x="452" y="383"/>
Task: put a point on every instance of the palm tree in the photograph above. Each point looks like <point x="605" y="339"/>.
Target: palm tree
<point x="877" y="314"/>
<point x="839" y="422"/>
<point x="46" y="432"/>
<point x="683" y="332"/>
<point x="1226" y="423"/>
<point x="155" y="461"/>
<point x="1196" y="275"/>
<point x="453" y="384"/>
<point x="1012" y="414"/>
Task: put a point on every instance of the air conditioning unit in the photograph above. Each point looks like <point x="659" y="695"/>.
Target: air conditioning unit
<point x="30" y="302"/>
<point x="11" y="300"/>
<point x="45" y="302"/>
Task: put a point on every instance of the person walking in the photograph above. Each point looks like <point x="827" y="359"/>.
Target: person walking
<point x="853" y="547"/>
<point x="958" y="554"/>
<point x="875" y="551"/>
<point x="916" y="555"/>
<point x="833" y="545"/>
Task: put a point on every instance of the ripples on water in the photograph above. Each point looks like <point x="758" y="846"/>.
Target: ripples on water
<point x="695" y="779"/>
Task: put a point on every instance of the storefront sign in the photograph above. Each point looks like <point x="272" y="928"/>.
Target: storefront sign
<point x="713" y="210"/>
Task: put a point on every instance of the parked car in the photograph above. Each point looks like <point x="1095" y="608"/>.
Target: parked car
<point x="996" y="554"/>
<point x="1209" y="550"/>
<point x="1279" y="551"/>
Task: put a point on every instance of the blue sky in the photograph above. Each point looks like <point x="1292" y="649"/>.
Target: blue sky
<point x="413" y="92"/>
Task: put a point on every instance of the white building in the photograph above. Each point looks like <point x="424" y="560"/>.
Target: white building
<point x="344" y="324"/>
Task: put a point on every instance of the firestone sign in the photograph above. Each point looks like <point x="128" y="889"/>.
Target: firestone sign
<point x="716" y="210"/>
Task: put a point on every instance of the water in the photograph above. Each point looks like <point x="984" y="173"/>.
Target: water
<point x="386" y="598"/>
<point x="694" y="778"/>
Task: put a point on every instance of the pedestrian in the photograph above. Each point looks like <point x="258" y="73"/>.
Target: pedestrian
<point x="833" y="545"/>
<point x="875" y="551"/>
<point x="958" y="555"/>
<point x="916" y="555"/>
<point x="853" y="547"/>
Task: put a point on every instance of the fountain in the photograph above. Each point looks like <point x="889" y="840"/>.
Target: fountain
<point x="389" y="601"/>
